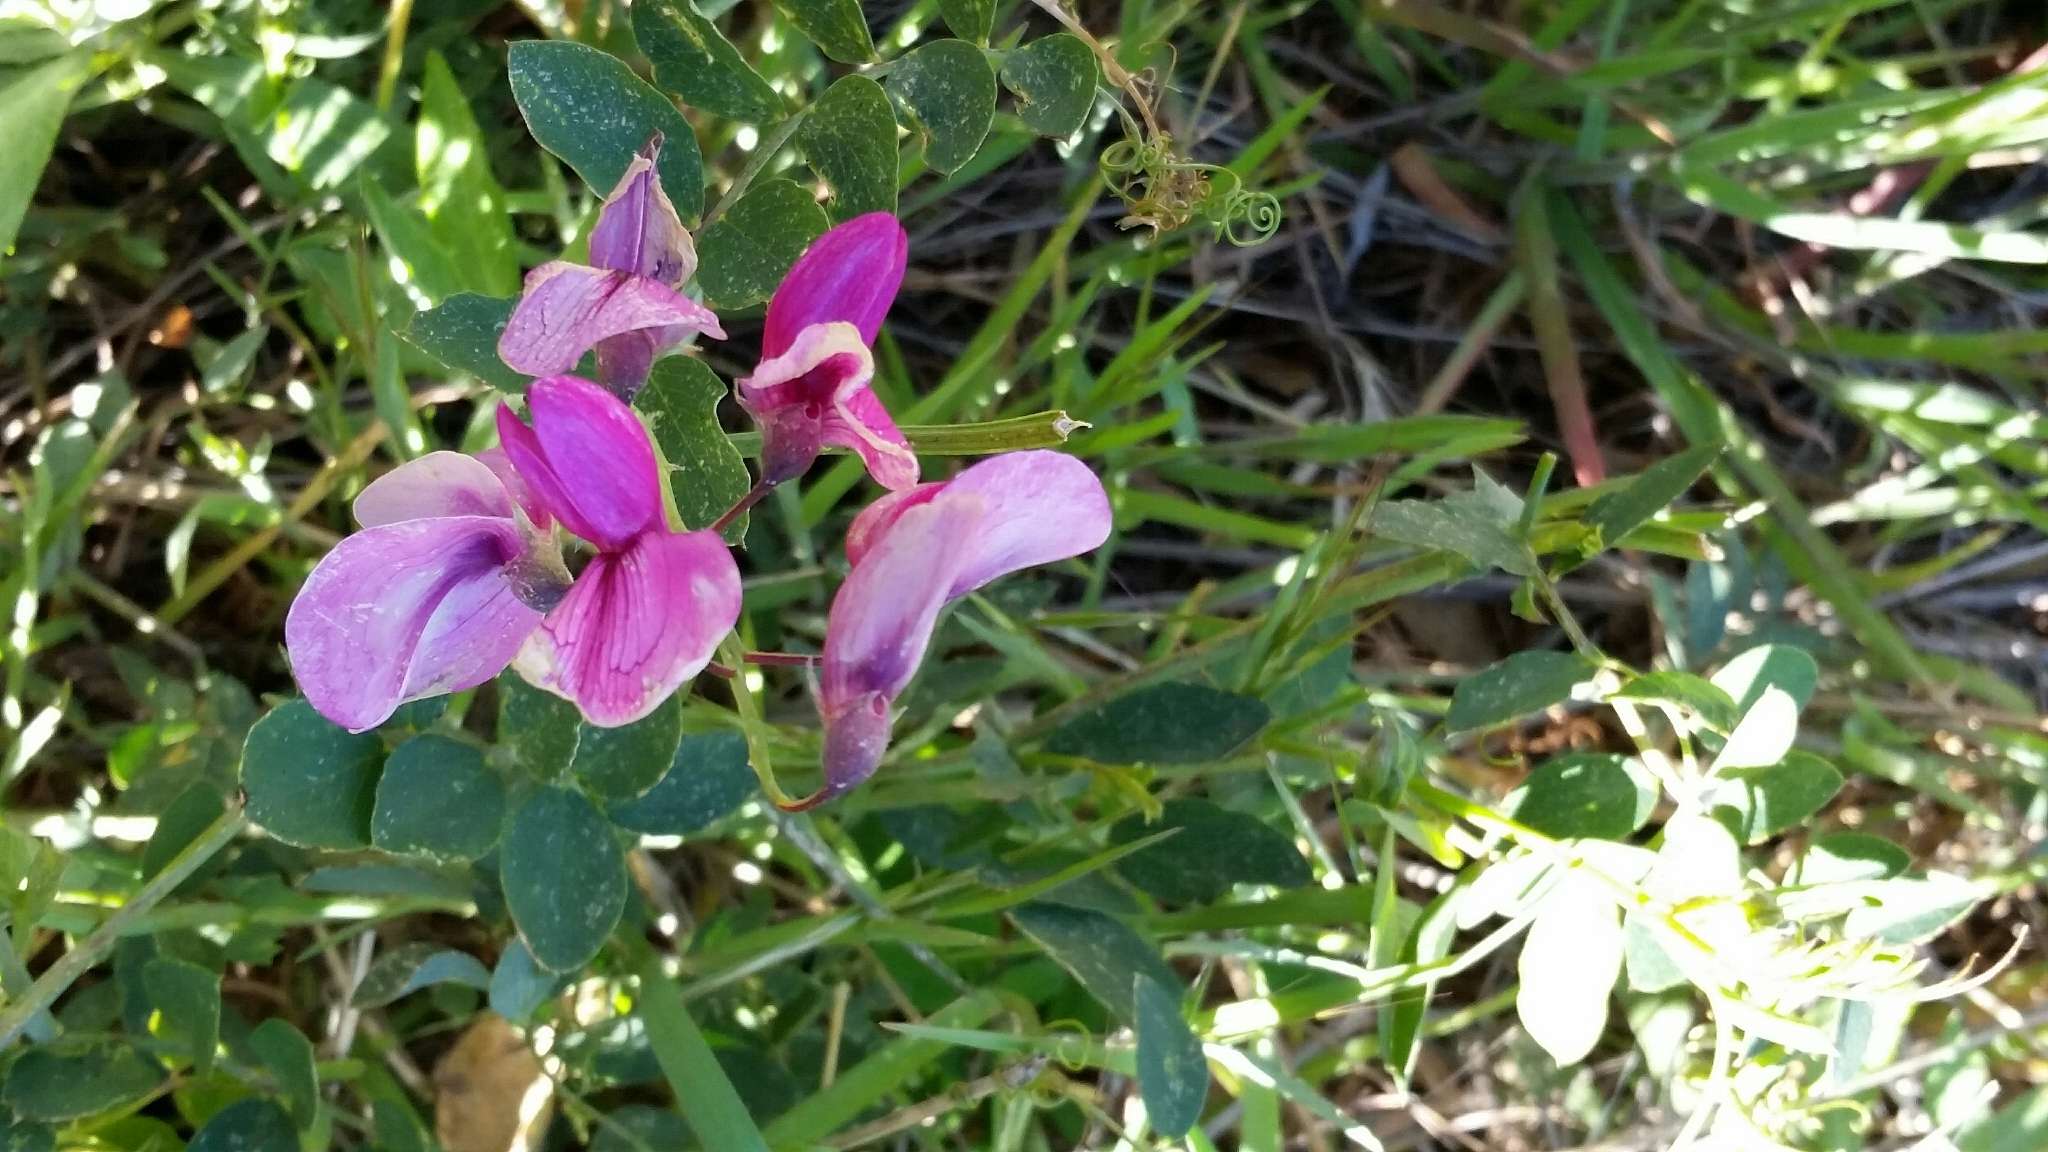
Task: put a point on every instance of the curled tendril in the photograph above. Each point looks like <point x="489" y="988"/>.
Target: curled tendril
<point x="1166" y="191"/>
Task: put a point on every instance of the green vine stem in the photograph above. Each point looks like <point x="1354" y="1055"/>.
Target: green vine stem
<point x="1037" y="430"/>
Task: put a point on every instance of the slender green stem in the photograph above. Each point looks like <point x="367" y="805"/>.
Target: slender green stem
<point x="1037" y="430"/>
<point x="758" y="163"/>
<point x="394" y="53"/>
<point x="87" y="954"/>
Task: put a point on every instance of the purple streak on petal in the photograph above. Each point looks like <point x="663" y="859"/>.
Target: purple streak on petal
<point x="522" y="495"/>
<point x="638" y="231"/>
<point x="849" y="274"/>
<point x="587" y="458"/>
<point x="638" y="623"/>
<point x="816" y="393"/>
<point x="567" y="308"/>
<point x="437" y="484"/>
<point x="1038" y="507"/>
<point x="405" y="610"/>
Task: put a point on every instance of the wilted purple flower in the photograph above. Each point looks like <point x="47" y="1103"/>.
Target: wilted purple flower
<point x="627" y="306"/>
<point x="913" y="552"/>
<point x="456" y="574"/>
<point x="811" y="387"/>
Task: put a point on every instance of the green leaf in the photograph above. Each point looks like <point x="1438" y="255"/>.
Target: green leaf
<point x="66" y="1082"/>
<point x="1844" y="857"/>
<point x="1524" y="683"/>
<point x="855" y="1092"/>
<point x="702" y="1091"/>
<point x="746" y="253"/>
<point x="1102" y="952"/>
<point x="837" y="27"/>
<point x="537" y="730"/>
<point x="1480" y="525"/>
<point x="970" y="19"/>
<point x="410" y="967"/>
<point x="693" y="59"/>
<point x="288" y="1056"/>
<point x="651" y="1130"/>
<point x="1769" y="683"/>
<point x="850" y="140"/>
<point x="589" y="109"/>
<point x="1758" y="803"/>
<point x="1171" y="723"/>
<point x="1570" y="961"/>
<point x="1653" y="490"/>
<point x="2020" y="1125"/>
<point x="186" y="998"/>
<point x="1212" y="849"/>
<point x="564" y="877"/>
<point x="708" y="779"/>
<point x="519" y="985"/>
<point x="707" y="475"/>
<point x="317" y="133"/>
<point x="1692" y="693"/>
<point x="951" y="91"/>
<point x="1427" y="942"/>
<point x="409" y="240"/>
<point x="1173" y="1075"/>
<point x="1054" y="81"/>
<point x="1587" y="795"/>
<point x="310" y="782"/>
<point x="247" y="1126"/>
<point x="195" y="810"/>
<point x="437" y="799"/>
<point x="462" y="333"/>
<point x="458" y="192"/>
<point x="624" y="762"/>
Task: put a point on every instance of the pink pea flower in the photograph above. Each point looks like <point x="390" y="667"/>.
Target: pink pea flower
<point x="811" y="387"/>
<point x="913" y="552"/>
<point x="456" y="574"/>
<point x="628" y="306"/>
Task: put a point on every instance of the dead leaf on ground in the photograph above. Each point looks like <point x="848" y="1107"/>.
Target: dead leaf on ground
<point x="490" y="1094"/>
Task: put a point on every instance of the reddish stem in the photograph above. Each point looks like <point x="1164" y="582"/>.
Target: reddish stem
<point x="754" y="496"/>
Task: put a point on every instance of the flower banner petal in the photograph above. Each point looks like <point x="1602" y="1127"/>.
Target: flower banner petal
<point x="639" y="622"/>
<point x="406" y="610"/>
<point x="638" y="231"/>
<point x="850" y="275"/>
<point x="1038" y="506"/>
<point x="437" y="484"/>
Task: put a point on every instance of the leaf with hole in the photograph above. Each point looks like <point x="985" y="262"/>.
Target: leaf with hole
<point x="745" y="254"/>
<point x="1587" y="795"/>
<point x="438" y="799"/>
<point x="564" y="877"/>
<point x="706" y="473"/>
<point x="708" y="780"/>
<point x="589" y="109"/>
<point x="950" y="91"/>
<point x="310" y="783"/>
<point x="1212" y="848"/>
<point x="1171" y="723"/>
<point x="1053" y="80"/>
<point x="849" y="138"/>
<point x="693" y="59"/>
<point x="1522" y="684"/>
<point x="410" y="967"/>
<point x="462" y="333"/>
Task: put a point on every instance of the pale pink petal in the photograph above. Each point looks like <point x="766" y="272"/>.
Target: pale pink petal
<point x="566" y="309"/>
<point x="406" y="610"/>
<point x="849" y="275"/>
<point x="587" y="459"/>
<point x="816" y="393"/>
<point x="874" y="520"/>
<point x="638" y="623"/>
<point x="638" y="230"/>
<point x="437" y="484"/>
<point x="1037" y="507"/>
<point x="879" y="626"/>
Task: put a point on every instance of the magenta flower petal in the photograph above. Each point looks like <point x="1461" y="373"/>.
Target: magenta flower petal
<point x="638" y="231"/>
<point x="522" y="495"/>
<point x="816" y="393"/>
<point x="437" y="484"/>
<point x="639" y="622"/>
<point x="567" y="309"/>
<point x="406" y="610"/>
<point x="587" y="459"/>
<point x="915" y="551"/>
<point x="850" y="275"/>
